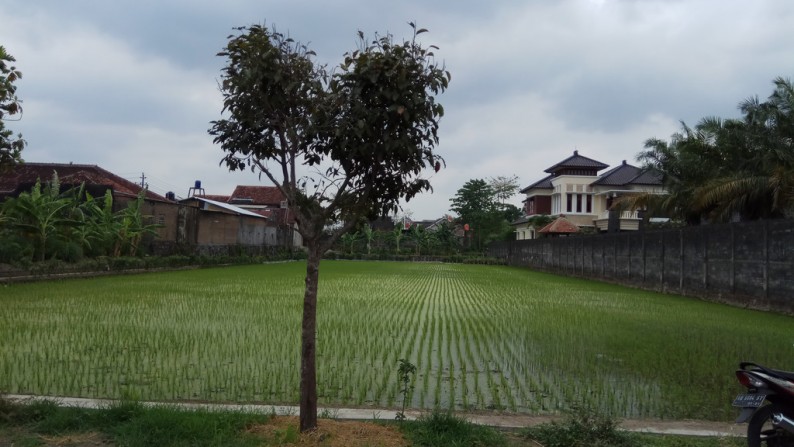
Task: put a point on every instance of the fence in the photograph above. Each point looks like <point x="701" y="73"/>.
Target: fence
<point x="745" y="264"/>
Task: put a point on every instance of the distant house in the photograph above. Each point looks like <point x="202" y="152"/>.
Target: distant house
<point x="620" y="181"/>
<point x="97" y="181"/>
<point x="574" y="188"/>
<point x="432" y="224"/>
<point x="264" y="201"/>
<point x="252" y="215"/>
<point x="205" y="221"/>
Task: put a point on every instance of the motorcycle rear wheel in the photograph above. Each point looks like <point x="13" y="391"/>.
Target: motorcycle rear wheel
<point x="761" y="432"/>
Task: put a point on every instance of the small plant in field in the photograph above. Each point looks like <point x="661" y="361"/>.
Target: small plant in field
<point x="290" y="435"/>
<point x="327" y="413"/>
<point x="582" y="427"/>
<point x="405" y="372"/>
<point x="442" y="429"/>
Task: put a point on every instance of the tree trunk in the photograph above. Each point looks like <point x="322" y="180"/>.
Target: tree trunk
<point x="308" y="383"/>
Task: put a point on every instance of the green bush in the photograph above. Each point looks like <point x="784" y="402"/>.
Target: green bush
<point x="443" y="429"/>
<point x="581" y="428"/>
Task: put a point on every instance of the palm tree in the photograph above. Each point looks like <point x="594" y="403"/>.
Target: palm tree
<point x="727" y="169"/>
<point x="761" y="183"/>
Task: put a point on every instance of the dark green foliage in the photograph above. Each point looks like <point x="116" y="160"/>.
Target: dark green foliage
<point x="372" y="123"/>
<point x="724" y="169"/>
<point x="45" y="223"/>
<point x="476" y="204"/>
<point x="10" y="147"/>
<point x="582" y="428"/>
<point x="444" y="429"/>
<point x="365" y="132"/>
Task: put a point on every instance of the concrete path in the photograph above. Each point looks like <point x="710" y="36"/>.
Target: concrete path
<point x="499" y="420"/>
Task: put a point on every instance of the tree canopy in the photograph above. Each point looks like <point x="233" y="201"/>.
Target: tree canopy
<point x="340" y="144"/>
<point x="725" y="169"/>
<point x="480" y="206"/>
<point x="10" y="146"/>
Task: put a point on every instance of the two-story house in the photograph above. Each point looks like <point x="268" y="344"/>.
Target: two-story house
<point x="574" y="189"/>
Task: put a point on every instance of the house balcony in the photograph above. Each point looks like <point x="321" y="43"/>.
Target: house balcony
<point x="627" y="221"/>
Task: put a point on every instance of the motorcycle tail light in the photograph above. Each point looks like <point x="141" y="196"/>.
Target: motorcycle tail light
<point x="748" y="380"/>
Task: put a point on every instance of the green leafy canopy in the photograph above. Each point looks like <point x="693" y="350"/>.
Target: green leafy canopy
<point x="364" y="131"/>
<point x="10" y="146"/>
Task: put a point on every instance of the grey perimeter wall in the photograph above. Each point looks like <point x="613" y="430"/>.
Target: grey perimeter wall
<point x="745" y="264"/>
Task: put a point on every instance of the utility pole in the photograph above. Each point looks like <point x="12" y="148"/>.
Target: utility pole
<point x="143" y="180"/>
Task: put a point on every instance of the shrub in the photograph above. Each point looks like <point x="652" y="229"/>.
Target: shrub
<point x="581" y="428"/>
<point x="444" y="429"/>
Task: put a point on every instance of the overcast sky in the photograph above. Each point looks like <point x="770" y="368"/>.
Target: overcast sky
<point x="131" y="86"/>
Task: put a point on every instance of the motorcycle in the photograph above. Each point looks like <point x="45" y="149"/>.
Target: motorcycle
<point x="770" y="425"/>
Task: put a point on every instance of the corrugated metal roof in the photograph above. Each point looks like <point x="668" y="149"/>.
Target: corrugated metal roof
<point x="232" y="208"/>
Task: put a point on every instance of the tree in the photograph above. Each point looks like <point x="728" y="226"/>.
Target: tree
<point x="726" y="169"/>
<point x="361" y="136"/>
<point x="758" y="156"/>
<point x="349" y="241"/>
<point x="421" y="238"/>
<point x="476" y="205"/>
<point x="504" y="187"/>
<point x="10" y="147"/>
<point x="445" y="237"/>
<point x="397" y="236"/>
<point x="368" y="235"/>
<point x="131" y="228"/>
<point x="40" y="214"/>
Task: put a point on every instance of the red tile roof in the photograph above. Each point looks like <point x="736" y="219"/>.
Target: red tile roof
<point x="259" y="195"/>
<point x="560" y="225"/>
<point x="25" y="175"/>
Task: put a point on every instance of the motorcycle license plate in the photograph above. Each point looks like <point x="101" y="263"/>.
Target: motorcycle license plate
<point x="749" y="400"/>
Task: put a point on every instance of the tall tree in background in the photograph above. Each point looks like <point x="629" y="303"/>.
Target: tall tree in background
<point x="757" y="180"/>
<point x="476" y="206"/>
<point x="504" y="187"/>
<point x="722" y="170"/>
<point x="340" y="146"/>
<point x="10" y="147"/>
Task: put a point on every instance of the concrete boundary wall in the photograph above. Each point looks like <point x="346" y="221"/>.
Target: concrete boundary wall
<point x="745" y="264"/>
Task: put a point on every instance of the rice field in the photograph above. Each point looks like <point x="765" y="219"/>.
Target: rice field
<point x="482" y="338"/>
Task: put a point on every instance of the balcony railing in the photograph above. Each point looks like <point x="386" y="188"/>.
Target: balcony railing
<point x="623" y="215"/>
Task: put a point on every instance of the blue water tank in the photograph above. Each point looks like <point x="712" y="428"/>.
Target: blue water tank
<point x="198" y="184"/>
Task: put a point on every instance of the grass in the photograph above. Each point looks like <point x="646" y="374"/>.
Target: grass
<point x="586" y="428"/>
<point x="129" y="423"/>
<point x="444" y="429"/>
<point x="482" y="337"/>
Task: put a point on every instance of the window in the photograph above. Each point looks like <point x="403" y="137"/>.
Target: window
<point x="575" y="203"/>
